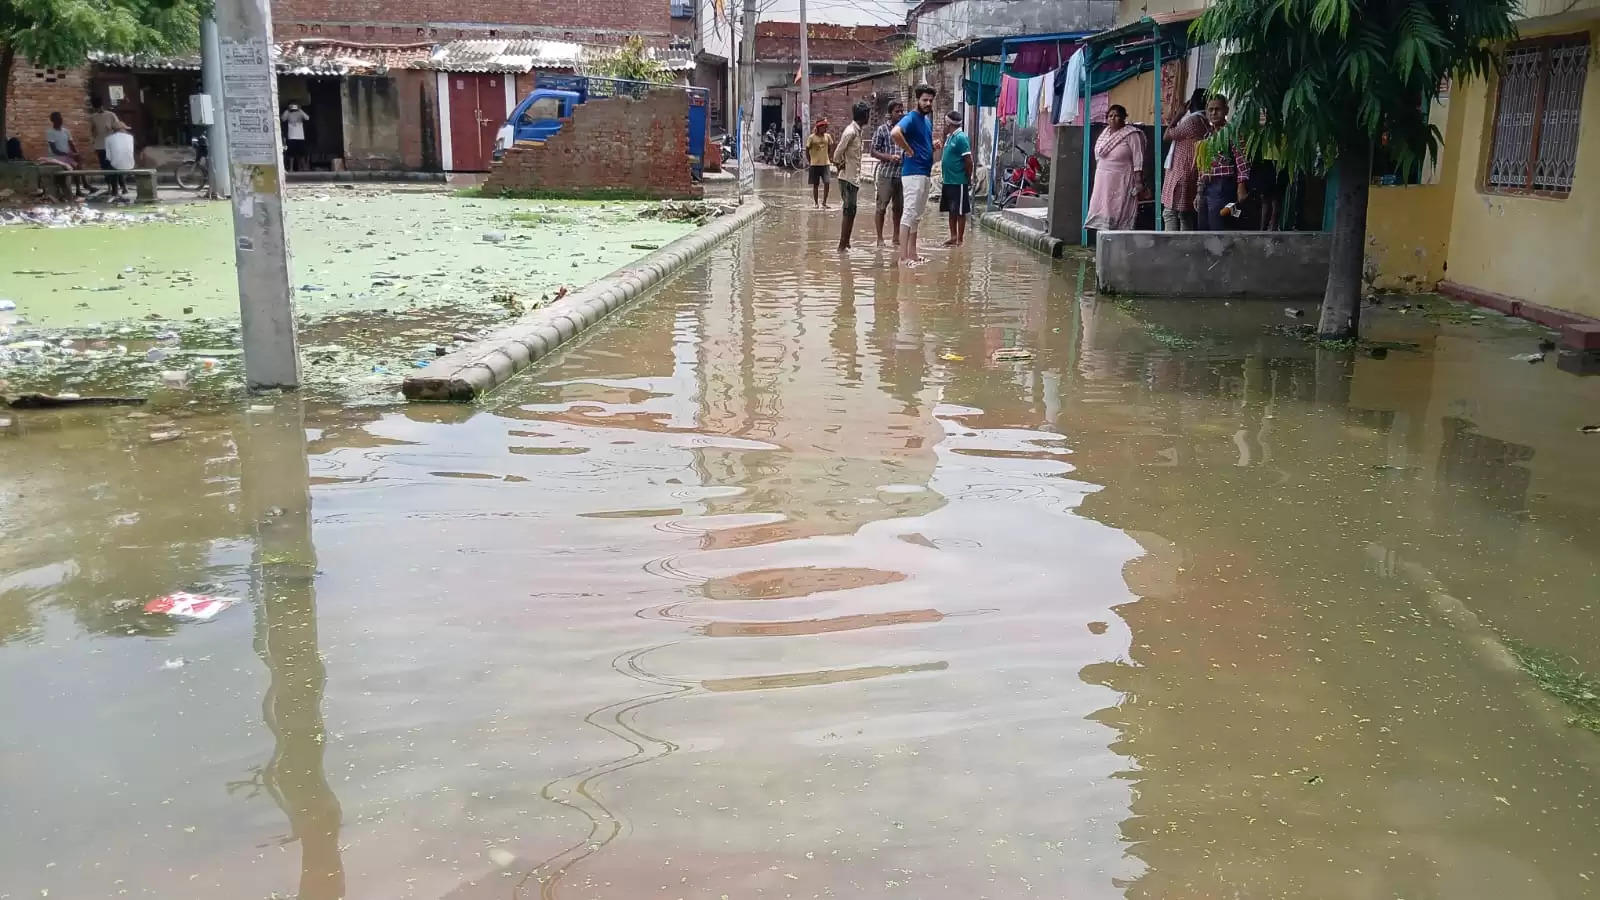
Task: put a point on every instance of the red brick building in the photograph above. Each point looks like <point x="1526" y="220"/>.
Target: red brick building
<point x="835" y="51"/>
<point x="389" y="84"/>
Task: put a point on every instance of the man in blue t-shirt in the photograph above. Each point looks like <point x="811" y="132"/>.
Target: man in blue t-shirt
<point x="956" y="166"/>
<point x="914" y="135"/>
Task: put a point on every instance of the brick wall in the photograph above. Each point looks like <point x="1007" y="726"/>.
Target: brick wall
<point x="619" y="145"/>
<point x="35" y="94"/>
<point x="780" y="42"/>
<point x="407" y="20"/>
<point x="836" y="101"/>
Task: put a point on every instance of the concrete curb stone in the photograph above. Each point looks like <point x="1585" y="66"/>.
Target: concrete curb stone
<point x="473" y="371"/>
<point x="1038" y="240"/>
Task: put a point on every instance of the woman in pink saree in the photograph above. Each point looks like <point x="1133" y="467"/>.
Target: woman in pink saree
<point x="1119" y="174"/>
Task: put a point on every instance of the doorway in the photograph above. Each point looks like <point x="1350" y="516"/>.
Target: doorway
<point x="771" y="113"/>
<point x="473" y="108"/>
<point x="322" y="100"/>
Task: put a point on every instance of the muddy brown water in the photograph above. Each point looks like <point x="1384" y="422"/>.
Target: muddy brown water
<point x="778" y="586"/>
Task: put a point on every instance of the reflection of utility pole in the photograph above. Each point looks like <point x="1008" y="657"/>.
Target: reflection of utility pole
<point x="277" y="503"/>
<point x="805" y="72"/>
<point x="255" y="159"/>
<point x="217" y="133"/>
<point x="747" y="97"/>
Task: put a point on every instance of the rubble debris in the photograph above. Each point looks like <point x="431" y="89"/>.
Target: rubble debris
<point x="698" y="212"/>
<point x="1012" y="354"/>
<point x="70" y="216"/>
<point x="186" y="607"/>
<point x="58" y="401"/>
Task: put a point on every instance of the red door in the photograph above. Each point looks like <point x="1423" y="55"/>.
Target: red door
<point x="477" y="110"/>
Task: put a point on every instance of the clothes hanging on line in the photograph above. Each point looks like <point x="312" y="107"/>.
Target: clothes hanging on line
<point x="1006" y="105"/>
<point x="982" y="85"/>
<point x="1069" y="87"/>
<point x="1040" y="57"/>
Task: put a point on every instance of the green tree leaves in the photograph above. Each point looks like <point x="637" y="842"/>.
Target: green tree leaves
<point x="63" y="32"/>
<point x="1310" y="78"/>
<point x="632" y="62"/>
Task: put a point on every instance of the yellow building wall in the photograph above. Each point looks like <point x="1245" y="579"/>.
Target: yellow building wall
<point x="1543" y="251"/>
<point x="1408" y="227"/>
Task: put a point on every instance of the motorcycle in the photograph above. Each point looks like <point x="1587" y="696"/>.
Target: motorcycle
<point x="1020" y="181"/>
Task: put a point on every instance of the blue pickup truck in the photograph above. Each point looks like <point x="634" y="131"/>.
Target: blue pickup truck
<point x="538" y="117"/>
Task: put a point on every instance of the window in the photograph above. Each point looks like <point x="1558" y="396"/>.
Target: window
<point x="1534" y="147"/>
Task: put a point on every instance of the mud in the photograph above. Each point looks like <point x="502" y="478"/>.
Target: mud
<point x="780" y="585"/>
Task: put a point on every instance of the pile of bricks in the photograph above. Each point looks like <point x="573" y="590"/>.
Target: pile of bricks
<point x="616" y="146"/>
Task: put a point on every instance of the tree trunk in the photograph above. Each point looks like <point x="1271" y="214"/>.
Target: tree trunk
<point x="1341" y="302"/>
<point x="8" y="58"/>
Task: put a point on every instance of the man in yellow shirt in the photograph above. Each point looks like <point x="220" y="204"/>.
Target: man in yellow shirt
<point x="819" y="152"/>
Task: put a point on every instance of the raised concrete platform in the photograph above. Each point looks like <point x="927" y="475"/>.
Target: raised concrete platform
<point x="1025" y="226"/>
<point x="1213" y="263"/>
<point x="472" y="371"/>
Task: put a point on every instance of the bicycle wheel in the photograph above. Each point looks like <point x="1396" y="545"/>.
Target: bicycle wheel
<point x="190" y="175"/>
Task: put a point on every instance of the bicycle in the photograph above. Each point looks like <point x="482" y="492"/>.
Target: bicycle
<point x="195" y="174"/>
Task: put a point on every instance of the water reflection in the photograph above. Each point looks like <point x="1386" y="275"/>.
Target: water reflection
<point x="782" y="585"/>
<point x="274" y="476"/>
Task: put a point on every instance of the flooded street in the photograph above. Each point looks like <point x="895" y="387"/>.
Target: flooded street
<point x="778" y="585"/>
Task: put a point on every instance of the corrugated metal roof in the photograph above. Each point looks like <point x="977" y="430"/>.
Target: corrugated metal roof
<point x="317" y="56"/>
<point x="527" y="54"/>
<point x="520" y="55"/>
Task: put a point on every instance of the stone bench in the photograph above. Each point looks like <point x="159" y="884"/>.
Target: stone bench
<point x="59" y="184"/>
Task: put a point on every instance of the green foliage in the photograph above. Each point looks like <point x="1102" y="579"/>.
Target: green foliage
<point x="912" y="58"/>
<point x="63" y="32"/>
<point x="1560" y="677"/>
<point x="1311" y="79"/>
<point x="632" y="62"/>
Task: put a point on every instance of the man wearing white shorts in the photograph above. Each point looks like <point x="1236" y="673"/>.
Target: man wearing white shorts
<point x="914" y="135"/>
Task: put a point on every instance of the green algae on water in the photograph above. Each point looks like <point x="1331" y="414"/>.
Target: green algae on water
<point x="1559" y="677"/>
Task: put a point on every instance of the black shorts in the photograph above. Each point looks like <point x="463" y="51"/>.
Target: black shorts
<point x="956" y="199"/>
<point x="819" y="174"/>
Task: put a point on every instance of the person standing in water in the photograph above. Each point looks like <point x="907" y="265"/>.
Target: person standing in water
<point x="914" y="136"/>
<point x="955" y="199"/>
<point x="847" y="159"/>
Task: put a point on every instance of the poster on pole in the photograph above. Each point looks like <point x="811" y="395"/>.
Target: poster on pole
<point x="247" y="103"/>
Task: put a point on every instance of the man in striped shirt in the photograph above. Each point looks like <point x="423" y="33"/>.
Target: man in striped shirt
<point x="891" y="190"/>
<point x="1225" y="177"/>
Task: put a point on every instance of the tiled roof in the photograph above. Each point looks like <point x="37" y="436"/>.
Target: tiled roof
<point x="306" y="57"/>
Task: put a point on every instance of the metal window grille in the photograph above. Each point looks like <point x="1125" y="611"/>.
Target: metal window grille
<point x="1535" y="141"/>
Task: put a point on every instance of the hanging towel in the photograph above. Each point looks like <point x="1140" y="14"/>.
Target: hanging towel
<point x="1007" y="105"/>
<point x="1040" y="57"/>
<point x="983" y="85"/>
<point x="1072" y="89"/>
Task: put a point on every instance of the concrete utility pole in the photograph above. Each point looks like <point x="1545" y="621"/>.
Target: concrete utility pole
<point x="805" y="73"/>
<point x="255" y="160"/>
<point x="217" y="133"/>
<point x="748" y="142"/>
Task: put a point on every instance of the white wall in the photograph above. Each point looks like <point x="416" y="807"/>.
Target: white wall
<point x="839" y="12"/>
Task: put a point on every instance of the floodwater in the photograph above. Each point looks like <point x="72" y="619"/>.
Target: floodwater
<point x="778" y="586"/>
